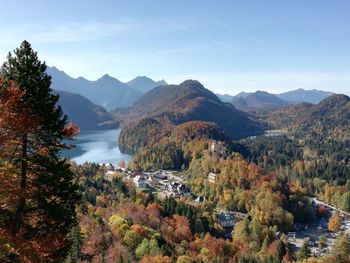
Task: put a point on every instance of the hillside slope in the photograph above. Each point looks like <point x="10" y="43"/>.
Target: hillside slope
<point x="84" y="113"/>
<point x="330" y="117"/>
<point x="167" y="106"/>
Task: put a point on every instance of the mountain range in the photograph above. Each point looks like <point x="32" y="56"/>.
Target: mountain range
<point x="143" y="100"/>
<point x="262" y="100"/>
<point x="171" y="105"/>
<point x="107" y="91"/>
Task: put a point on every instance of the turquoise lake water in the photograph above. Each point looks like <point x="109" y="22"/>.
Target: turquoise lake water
<point x="96" y="146"/>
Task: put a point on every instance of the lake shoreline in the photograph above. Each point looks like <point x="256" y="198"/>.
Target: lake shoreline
<point x="100" y="146"/>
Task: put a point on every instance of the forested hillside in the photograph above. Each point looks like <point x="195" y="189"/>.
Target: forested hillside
<point x="330" y="117"/>
<point x="165" y="107"/>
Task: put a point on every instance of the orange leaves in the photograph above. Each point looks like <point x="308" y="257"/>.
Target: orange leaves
<point x="334" y="222"/>
<point x="176" y="229"/>
<point x="15" y="115"/>
<point x="155" y="259"/>
<point x="71" y="130"/>
<point x="138" y="229"/>
<point x="40" y="249"/>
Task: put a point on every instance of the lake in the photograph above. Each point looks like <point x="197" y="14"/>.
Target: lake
<point x="96" y="146"/>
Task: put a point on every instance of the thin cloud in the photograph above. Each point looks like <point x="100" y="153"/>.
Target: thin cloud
<point x="201" y="35"/>
<point x="226" y="44"/>
<point x="235" y="31"/>
<point x="62" y="32"/>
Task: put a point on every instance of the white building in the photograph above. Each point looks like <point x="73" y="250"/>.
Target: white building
<point x="212" y="177"/>
<point x="139" y="181"/>
<point x="109" y="175"/>
<point x="109" y="166"/>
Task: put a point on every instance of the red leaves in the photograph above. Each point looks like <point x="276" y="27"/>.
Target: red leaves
<point x="176" y="229"/>
<point x="71" y="130"/>
<point x="15" y="115"/>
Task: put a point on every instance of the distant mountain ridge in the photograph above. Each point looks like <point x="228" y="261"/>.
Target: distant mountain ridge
<point x="259" y="100"/>
<point x="106" y="91"/>
<point x="301" y="95"/>
<point x="84" y="113"/>
<point x="144" y="84"/>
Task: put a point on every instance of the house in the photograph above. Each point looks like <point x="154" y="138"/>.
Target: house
<point x="109" y="175"/>
<point x="109" y="166"/>
<point x="160" y="176"/>
<point x="121" y="169"/>
<point x="309" y="240"/>
<point x="226" y="219"/>
<point x="199" y="199"/>
<point x="139" y="181"/>
<point x="182" y="189"/>
<point x="291" y="236"/>
<point x="173" y="187"/>
<point x="212" y="177"/>
<point x="218" y="149"/>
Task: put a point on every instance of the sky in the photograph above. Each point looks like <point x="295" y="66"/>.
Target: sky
<point x="229" y="46"/>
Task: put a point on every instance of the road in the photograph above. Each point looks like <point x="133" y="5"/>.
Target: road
<point x="331" y="208"/>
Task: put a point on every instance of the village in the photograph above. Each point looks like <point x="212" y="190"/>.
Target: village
<point x="171" y="184"/>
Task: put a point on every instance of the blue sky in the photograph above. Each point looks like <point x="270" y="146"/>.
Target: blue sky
<point x="230" y="46"/>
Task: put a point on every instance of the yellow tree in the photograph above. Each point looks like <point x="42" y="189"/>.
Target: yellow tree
<point x="334" y="222"/>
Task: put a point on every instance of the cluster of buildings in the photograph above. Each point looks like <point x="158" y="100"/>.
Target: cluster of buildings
<point x="311" y="233"/>
<point x="164" y="183"/>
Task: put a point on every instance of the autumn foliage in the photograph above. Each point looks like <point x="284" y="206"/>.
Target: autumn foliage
<point x="334" y="222"/>
<point x="37" y="192"/>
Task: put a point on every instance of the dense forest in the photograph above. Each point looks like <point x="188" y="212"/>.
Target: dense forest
<point x="53" y="210"/>
<point x="168" y="106"/>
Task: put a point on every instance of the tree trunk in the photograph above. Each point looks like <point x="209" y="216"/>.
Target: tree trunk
<point x="18" y="219"/>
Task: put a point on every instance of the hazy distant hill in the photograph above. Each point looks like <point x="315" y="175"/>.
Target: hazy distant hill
<point x="330" y="117"/>
<point x="301" y="95"/>
<point x="243" y="94"/>
<point x="257" y="100"/>
<point x="144" y="84"/>
<point x="84" y="113"/>
<point x="225" y="97"/>
<point x="261" y="100"/>
<point x="177" y="104"/>
<point x="106" y="91"/>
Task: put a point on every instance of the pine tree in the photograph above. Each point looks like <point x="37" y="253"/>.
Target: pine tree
<point x="304" y="252"/>
<point x="44" y="210"/>
<point x="76" y="241"/>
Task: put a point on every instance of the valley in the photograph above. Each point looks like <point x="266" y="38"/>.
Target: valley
<point x="174" y="131"/>
<point x="97" y="147"/>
